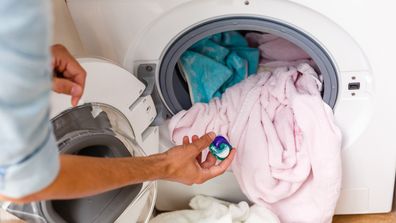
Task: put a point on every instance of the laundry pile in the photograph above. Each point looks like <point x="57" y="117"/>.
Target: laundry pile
<point x="216" y="63"/>
<point x="276" y="52"/>
<point x="211" y="210"/>
<point x="288" y="146"/>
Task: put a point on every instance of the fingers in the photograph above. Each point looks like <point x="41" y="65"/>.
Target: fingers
<point x="195" y="138"/>
<point x="75" y="100"/>
<point x="186" y="141"/>
<point x="217" y="170"/>
<point x="204" y="141"/>
<point x="75" y="72"/>
<point x="59" y="53"/>
<point x="65" y="86"/>
<point x="209" y="161"/>
<point x="78" y="79"/>
<point x="199" y="157"/>
<point x="65" y="63"/>
<point x="59" y="65"/>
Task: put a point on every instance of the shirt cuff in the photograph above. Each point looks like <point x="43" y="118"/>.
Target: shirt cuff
<point x="32" y="174"/>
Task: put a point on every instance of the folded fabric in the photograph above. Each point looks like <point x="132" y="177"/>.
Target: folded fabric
<point x="276" y="48"/>
<point x="216" y="63"/>
<point x="288" y="146"/>
<point x="211" y="210"/>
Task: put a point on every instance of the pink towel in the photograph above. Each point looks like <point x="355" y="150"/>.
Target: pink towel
<point x="288" y="147"/>
<point x="276" y="48"/>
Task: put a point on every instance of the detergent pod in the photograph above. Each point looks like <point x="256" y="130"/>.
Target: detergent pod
<point x="220" y="148"/>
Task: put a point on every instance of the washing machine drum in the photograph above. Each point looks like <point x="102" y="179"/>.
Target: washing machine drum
<point x="96" y="130"/>
<point x="171" y="83"/>
<point x="89" y="130"/>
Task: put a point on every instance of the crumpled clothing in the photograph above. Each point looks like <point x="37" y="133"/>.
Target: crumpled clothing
<point x="278" y="52"/>
<point x="211" y="210"/>
<point x="288" y="145"/>
<point x="276" y="48"/>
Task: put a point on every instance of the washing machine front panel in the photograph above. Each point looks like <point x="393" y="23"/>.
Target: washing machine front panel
<point x="347" y="58"/>
<point x="133" y="27"/>
<point x="133" y="44"/>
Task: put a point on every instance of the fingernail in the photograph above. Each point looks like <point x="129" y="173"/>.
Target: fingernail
<point x="212" y="135"/>
<point x="76" y="90"/>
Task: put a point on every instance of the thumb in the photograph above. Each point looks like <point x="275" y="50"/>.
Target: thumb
<point x="217" y="170"/>
<point x="65" y="86"/>
<point x="204" y="141"/>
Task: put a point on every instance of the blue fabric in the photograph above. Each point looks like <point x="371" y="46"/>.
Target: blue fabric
<point x="233" y="38"/>
<point x="211" y="49"/>
<point x="201" y="70"/>
<point x="216" y="63"/>
<point x="251" y="55"/>
<point x="28" y="152"/>
<point x="239" y="67"/>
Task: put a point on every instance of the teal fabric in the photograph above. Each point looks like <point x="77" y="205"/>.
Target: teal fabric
<point x="239" y="66"/>
<point x="233" y="38"/>
<point x="200" y="70"/>
<point x="216" y="63"/>
<point x="251" y="55"/>
<point x="211" y="49"/>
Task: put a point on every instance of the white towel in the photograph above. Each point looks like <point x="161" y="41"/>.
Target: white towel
<point x="211" y="210"/>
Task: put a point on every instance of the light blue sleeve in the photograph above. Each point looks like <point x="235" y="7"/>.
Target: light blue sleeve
<point x="29" y="158"/>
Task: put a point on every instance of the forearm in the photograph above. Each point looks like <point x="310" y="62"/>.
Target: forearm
<point x="81" y="176"/>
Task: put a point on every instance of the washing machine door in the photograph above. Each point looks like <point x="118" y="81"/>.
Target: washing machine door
<point x="109" y="122"/>
<point x="110" y="84"/>
<point x="97" y="130"/>
<point x="105" y="83"/>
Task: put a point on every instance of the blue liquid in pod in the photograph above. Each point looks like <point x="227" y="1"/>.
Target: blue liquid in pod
<point x="220" y="148"/>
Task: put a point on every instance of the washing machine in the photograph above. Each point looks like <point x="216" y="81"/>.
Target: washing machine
<point x="146" y="38"/>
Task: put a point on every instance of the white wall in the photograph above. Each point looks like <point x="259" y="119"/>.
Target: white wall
<point x="64" y="30"/>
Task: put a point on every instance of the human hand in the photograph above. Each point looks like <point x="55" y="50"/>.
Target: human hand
<point x="184" y="162"/>
<point x="73" y="77"/>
